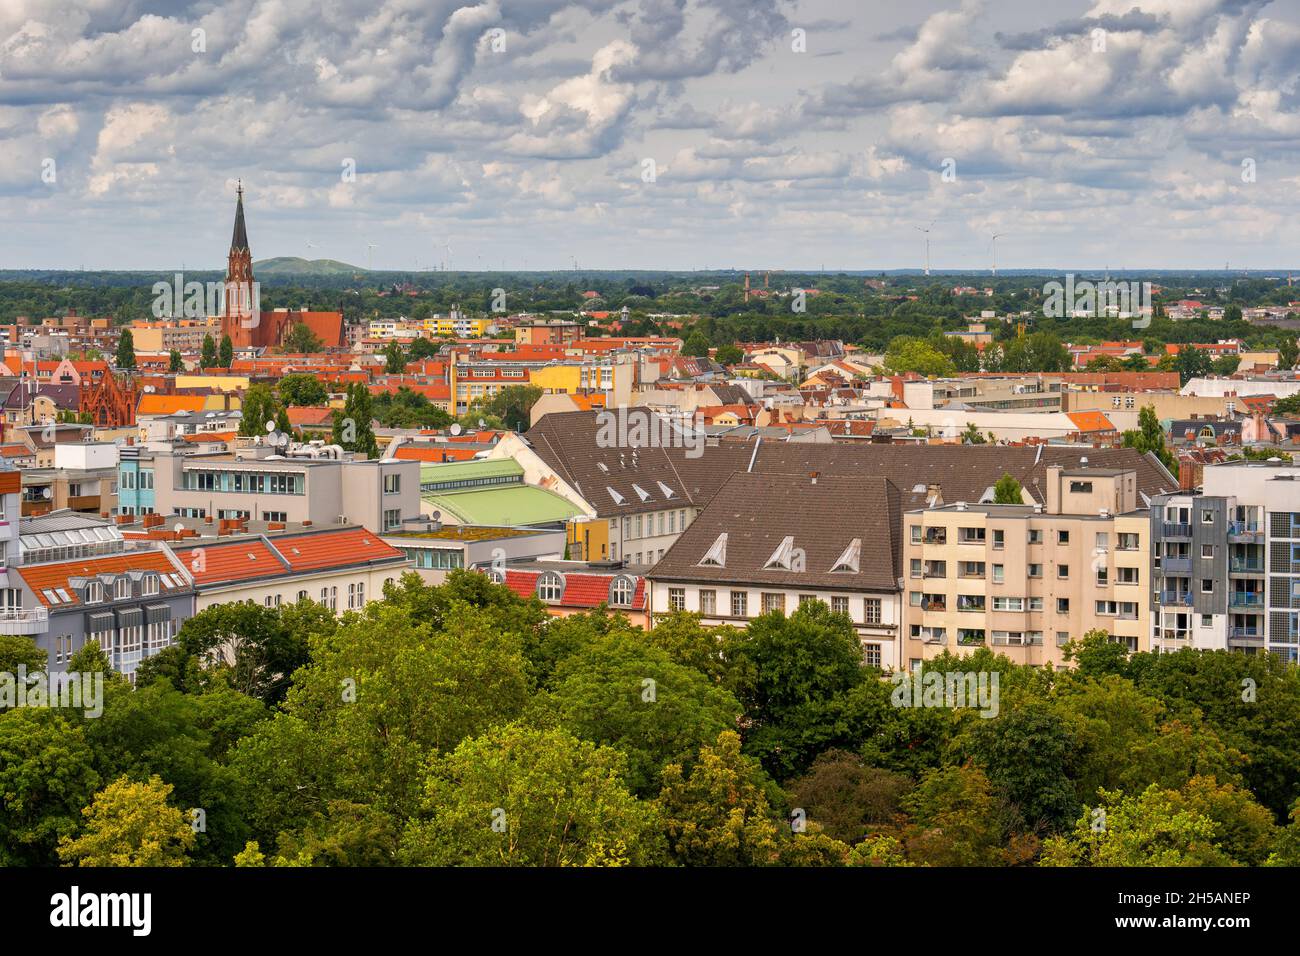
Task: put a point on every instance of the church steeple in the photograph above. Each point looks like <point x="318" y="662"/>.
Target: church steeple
<point x="240" y="239"/>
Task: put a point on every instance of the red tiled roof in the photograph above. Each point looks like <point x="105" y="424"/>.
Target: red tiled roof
<point x="581" y="588"/>
<point x="435" y="453"/>
<point x="233" y="561"/>
<point x="324" y="549"/>
<point x="40" y="577"/>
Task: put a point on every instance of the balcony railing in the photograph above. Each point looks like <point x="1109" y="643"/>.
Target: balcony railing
<point x="1175" y="530"/>
<point x="1246" y="599"/>
<point x="1244" y="528"/>
<point x="1245" y="632"/>
<point x="1170" y="635"/>
<point x="34" y="620"/>
<point x="1175" y="597"/>
<point x="1244" y="566"/>
<point x="1176" y="565"/>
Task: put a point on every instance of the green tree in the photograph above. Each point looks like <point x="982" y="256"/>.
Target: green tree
<point x="17" y="651"/>
<point x="1150" y="437"/>
<point x="729" y="355"/>
<point x="47" y="774"/>
<point x="1288" y="352"/>
<point x="354" y="428"/>
<point x="622" y="694"/>
<point x="1007" y="491"/>
<point x="910" y="354"/>
<point x="254" y="645"/>
<point x="719" y="814"/>
<point x="1191" y="362"/>
<point x="956" y="819"/>
<point x="125" y="349"/>
<point x="848" y="798"/>
<point x="518" y="796"/>
<point x="226" y="352"/>
<point x="513" y="404"/>
<point x="394" y="358"/>
<point x="208" y="355"/>
<point x="972" y="435"/>
<point x="259" y="407"/>
<point x="302" y="389"/>
<point x="301" y="340"/>
<point x="175" y="363"/>
<point x="696" y="345"/>
<point x="131" y="824"/>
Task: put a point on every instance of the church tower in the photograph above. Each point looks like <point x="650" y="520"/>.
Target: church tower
<point x="238" y="317"/>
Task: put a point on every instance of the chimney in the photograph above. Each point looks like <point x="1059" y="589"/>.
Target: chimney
<point x="813" y="476"/>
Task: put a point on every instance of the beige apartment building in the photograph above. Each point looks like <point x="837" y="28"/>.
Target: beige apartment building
<point x="1026" y="579"/>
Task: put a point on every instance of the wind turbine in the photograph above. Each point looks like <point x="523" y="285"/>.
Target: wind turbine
<point x="993" y="244"/>
<point x="926" y="230"/>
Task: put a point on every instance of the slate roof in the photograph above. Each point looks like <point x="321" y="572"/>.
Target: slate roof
<point x="823" y="516"/>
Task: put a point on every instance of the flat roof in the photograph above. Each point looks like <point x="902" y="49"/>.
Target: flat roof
<point x="504" y="506"/>
<point x="465" y="533"/>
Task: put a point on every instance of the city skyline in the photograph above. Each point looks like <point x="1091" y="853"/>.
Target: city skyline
<point x="655" y="135"/>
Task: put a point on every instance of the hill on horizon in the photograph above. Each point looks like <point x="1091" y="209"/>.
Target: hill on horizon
<point x="294" y="265"/>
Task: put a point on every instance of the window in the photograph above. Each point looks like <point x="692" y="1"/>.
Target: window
<point x="708" y="602"/>
<point x="1207" y="550"/>
<point x="1062" y="638"/>
<point x="392" y="519"/>
<point x="1126" y="575"/>
<point x="1103" y="577"/>
<point x="676" y="599"/>
<point x="999" y="574"/>
<point x="839" y="605"/>
<point x="620" y="592"/>
<point x="1062" y="605"/>
<point x="550" y="588"/>
<point x="121" y="588"/>
<point x="1062" y="537"/>
<point x="916" y="534"/>
<point x="914" y="598"/>
<point x="1128" y="541"/>
<point x="1103" y="541"/>
<point x="352" y="597"/>
<point x="914" y="568"/>
<point x="1107" y="608"/>
<point x="334" y="598"/>
<point x="1008" y="604"/>
<point x="1207" y="620"/>
<point x="1207" y="585"/>
<point x="302" y="595"/>
<point x="361" y="594"/>
<point x="94" y="592"/>
<point x="1063" y="571"/>
<point x="999" y="540"/>
<point x="1034" y="570"/>
<point x="392" y="484"/>
<point x="1207" y="516"/>
<point x="806" y="599"/>
<point x="739" y="603"/>
<point x="149" y="586"/>
<point x="1081" y="487"/>
<point x="871" y="655"/>
<point x="1035" y="536"/>
<point x="871" y="610"/>
<point x="773" y="602"/>
<point x="1035" y="604"/>
<point x="973" y="535"/>
<point x="280" y="516"/>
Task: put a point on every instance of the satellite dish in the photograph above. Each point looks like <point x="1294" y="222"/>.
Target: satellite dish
<point x="47" y="493"/>
<point x="270" y="427"/>
<point x="482" y="423"/>
<point x="437" y="516"/>
<point x="455" y="428"/>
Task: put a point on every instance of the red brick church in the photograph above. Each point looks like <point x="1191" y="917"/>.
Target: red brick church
<point x="248" y="327"/>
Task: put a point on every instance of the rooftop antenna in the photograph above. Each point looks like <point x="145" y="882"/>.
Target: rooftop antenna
<point x="370" y="256"/>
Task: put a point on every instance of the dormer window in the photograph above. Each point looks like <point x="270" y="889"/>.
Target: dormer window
<point x="550" y="587"/>
<point x="618" y="499"/>
<point x="149" y="584"/>
<point x="782" y="558"/>
<point x="641" y="492"/>
<point x="94" y="592"/>
<point x="848" y="561"/>
<point x="121" y="588"/>
<point x="716" y="556"/>
<point x="621" y="591"/>
<point x="667" y="492"/>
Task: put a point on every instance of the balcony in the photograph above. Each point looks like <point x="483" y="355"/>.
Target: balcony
<point x="1249" y="637"/>
<point x="1173" y="635"/>
<point x="970" y="640"/>
<point x="1246" y="599"/>
<point x="1176" y="565"/>
<point x="1245" y="632"/>
<point x="1248" y="530"/>
<point x="1245" y="566"/>
<point x="1169" y="530"/>
<point x="1176" y="597"/>
<point x="935" y="536"/>
<point x="29" y="621"/>
<point x="935" y="605"/>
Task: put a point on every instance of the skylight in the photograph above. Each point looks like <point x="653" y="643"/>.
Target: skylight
<point x="618" y="499"/>
<point x="668" y="492"/>
<point x="641" y="492"/>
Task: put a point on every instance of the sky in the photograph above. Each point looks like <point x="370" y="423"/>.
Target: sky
<point x="652" y="134"/>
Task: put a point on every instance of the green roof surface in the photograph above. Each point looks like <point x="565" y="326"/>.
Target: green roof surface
<point x="508" y="505"/>
<point x="464" y="470"/>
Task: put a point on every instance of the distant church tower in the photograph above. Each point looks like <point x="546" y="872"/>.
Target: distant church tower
<point x="237" y="320"/>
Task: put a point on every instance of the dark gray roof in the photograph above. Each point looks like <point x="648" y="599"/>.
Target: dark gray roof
<point x="823" y="517"/>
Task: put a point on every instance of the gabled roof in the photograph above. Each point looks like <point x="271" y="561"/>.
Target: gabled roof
<point x="254" y="558"/>
<point x="325" y="549"/>
<point x="582" y="588"/>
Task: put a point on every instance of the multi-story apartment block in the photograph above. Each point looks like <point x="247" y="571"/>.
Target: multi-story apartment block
<point x="773" y="542"/>
<point x="1027" y="579"/>
<point x="1228" y="561"/>
<point x="312" y="484"/>
<point x="1208" y="573"/>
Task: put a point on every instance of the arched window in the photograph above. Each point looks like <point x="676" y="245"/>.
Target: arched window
<point x="121" y="588"/>
<point x="621" y="591"/>
<point x="550" y="587"/>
